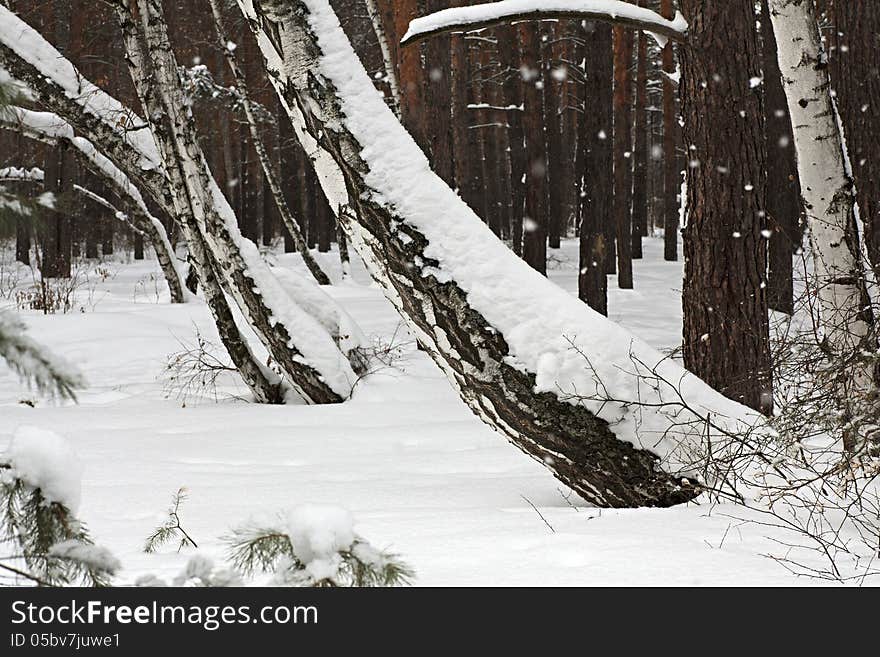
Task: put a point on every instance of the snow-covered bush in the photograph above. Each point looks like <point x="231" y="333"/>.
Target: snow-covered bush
<point x="314" y="545"/>
<point x="42" y="540"/>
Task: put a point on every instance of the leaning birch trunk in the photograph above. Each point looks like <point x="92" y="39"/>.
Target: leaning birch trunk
<point x="272" y="182"/>
<point x="611" y="417"/>
<point x="120" y="135"/>
<point x="52" y="129"/>
<point x="828" y="192"/>
<point x="305" y="351"/>
<point x="263" y="383"/>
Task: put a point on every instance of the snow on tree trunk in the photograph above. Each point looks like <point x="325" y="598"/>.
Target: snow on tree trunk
<point x="600" y="408"/>
<point x="307" y="354"/>
<point x="825" y="186"/>
<point x="125" y="139"/>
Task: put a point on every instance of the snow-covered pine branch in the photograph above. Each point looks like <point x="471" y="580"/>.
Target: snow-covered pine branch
<point x="33" y="362"/>
<point x="481" y="16"/>
<point x="39" y="495"/>
<point x="564" y="384"/>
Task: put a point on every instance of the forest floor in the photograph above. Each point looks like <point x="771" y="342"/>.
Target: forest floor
<point x="421" y="475"/>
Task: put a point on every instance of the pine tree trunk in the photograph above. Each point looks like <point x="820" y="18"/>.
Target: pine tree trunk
<point x="784" y="206"/>
<point x="855" y="74"/>
<point x="410" y="75"/>
<point x="138" y="246"/>
<point x="640" y="151"/>
<point x="460" y="74"/>
<point x="726" y="327"/>
<point x="623" y="159"/>
<point x="438" y="99"/>
<point x="551" y="60"/>
<point x="535" y="217"/>
<point x="672" y="176"/>
<point x="596" y="166"/>
<point x="512" y="96"/>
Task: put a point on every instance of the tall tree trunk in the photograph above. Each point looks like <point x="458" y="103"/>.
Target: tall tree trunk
<point x="672" y="177"/>
<point x="438" y="99"/>
<point x="551" y="63"/>
<point x="726" y="327"/>
<point x="784" y="206"/>
<point x="460" y="74"/>
<point x="855" y="74"/>
<point x="512" y="94"/>
<point x="535" y="217"/>
<point x="597" y="166"/>
<point x="410" y="75"/>
<point x="640" y="151"/>
<point x="623" y="160"/>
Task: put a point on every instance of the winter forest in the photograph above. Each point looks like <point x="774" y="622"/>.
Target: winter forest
<point x="434" y="292"/>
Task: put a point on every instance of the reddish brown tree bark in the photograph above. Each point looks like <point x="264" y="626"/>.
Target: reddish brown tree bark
<point x="671" y="180"/>
<point x="623" y="160"/>
<point x="856" y="79"/>
<point x="726" y="332"/>
<point x="535" y="217"/>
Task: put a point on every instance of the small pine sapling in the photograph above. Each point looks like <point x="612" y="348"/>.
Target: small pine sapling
<point x="171" y="529"/>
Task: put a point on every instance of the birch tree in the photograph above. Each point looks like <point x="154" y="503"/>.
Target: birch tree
<point x="310" y="357"/>
<point x="829" y="198"/>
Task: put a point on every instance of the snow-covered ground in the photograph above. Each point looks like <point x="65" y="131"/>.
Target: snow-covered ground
<point x="418" y="471"/>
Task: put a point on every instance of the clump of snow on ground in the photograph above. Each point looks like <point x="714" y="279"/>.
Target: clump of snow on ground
<point x="43" y="459"/>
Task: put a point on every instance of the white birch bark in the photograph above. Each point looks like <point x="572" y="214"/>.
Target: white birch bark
<point x="826" y="187"/>
<point x="124" y="138"/>
<point x="310" y="357"/>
